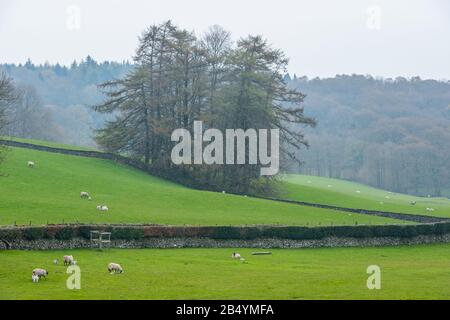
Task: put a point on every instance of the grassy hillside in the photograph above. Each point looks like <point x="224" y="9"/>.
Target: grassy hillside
<point x="49" y="192"/>
<point x="354" y="195"/>
<point x="411" y="272"/>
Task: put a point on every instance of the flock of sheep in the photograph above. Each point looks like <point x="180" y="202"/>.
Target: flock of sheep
<point x="86" y="195"/>
<point x="113" y="267"/>
<point x="39" y="273"/>
<point x="83" y="194"/>
<point x="387" y="197"/>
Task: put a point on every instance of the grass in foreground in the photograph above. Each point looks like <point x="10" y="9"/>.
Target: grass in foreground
<point x="410" y="272"/>
<point x="50" y="192"/>
<point x="345" y="194"/>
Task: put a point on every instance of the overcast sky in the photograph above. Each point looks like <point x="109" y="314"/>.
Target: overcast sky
<point x="322" y="38"/>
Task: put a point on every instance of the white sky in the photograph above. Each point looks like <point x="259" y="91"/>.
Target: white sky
<point x="322" y="38"/>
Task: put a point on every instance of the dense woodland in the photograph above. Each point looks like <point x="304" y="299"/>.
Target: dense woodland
<point x="389" y="133"/>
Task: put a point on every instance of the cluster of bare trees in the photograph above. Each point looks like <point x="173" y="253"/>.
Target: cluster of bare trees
<point x="179" y="78"/>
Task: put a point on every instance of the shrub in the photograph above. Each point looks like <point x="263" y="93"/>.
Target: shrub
<point x="33" y="233"/>
<point x="65" y="233"/>
<point x="10" y="234"/>
<point x="127" y="233"/>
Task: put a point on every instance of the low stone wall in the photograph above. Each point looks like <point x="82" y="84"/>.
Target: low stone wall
<point x="386" y="214"/>
<point x="171" y="243"/>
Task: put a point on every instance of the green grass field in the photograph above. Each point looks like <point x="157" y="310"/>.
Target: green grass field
<point x="413" y="272"/>
<point x="50" y="191"/>
<point x="344" y="193"/>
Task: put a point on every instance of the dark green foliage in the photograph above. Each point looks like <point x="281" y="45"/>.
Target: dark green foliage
<point x="65" y="233"/>
<point x="227" y="232"/>
<point x="34" y="233"/>
<point x="126" y="233"/>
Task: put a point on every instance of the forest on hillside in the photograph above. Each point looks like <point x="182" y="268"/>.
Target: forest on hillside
<point x="388" y="133"/>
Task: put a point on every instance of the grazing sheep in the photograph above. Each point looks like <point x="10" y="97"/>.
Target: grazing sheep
<point x="236" y="255"/>
<point x="84" y="195"/>
<point x="114" y="268"/>
<point x="55" y="261"/>
<point x="68" y="260"/>
<point x="40" y="273"/>
<point x="35" y="278"/>
<point x="412" y="203"/>
<point x="430" y="209"/>
<point x="30" y="164"/>
<point x="102" y="207"/>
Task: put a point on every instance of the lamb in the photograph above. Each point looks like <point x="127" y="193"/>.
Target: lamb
<point x="40" y="273"/>
<point x="102" y="207"/>
<point x="84" y="194"/>
<point x="30" y="164"/>
<point x="68" y="260"/>
<point x="35" y="278"/>
<point x="114" y="268"/>
<point x="236" y="255"/>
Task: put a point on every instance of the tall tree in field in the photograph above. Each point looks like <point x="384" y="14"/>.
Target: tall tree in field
<point x="256" y="96"/>
<point x="179" y="79"/>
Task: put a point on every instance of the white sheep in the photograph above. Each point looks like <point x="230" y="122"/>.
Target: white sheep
<point x="412" y="203"/>
<point x="236" y="255"/>
<point x="68" y="260"/>
<point x="114" y="268"/>
<point x="30" y="164"/>
<point x="102" y="207"/>
<point x="223" y="191"/>
<point x="55" y="261"/>
<point x="430" y="209"/>
<point x="40" y="273"/>
<point x="84" y="194"/>
<point x="35" y="278"/>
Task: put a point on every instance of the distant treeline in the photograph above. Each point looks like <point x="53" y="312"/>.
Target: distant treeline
<point x="388" y="133"/>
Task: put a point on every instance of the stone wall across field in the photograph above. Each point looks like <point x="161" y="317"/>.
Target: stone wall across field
<point x="173" y="243"/>
<point x="156" y="236"/>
